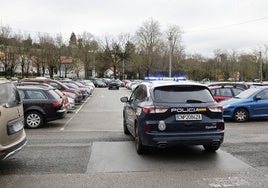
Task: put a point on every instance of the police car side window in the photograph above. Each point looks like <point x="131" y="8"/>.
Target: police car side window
<point x="133" y="95"/>
<point x="139" y="93"/>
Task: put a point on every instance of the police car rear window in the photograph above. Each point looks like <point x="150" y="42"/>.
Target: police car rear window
<point x="182" y="94"/>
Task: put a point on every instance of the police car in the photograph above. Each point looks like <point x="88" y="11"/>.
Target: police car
<point x="167" y="113"/>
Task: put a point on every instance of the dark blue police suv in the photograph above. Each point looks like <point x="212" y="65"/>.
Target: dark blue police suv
<point x="167" y="113"/>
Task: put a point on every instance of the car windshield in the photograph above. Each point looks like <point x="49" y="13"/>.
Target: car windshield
<point x="182" y="94"/>
<point x="247" y="93"/>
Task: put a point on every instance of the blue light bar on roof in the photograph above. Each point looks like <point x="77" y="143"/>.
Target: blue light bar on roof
<point x="181" y="78"/>
<point x="153" y="78"/>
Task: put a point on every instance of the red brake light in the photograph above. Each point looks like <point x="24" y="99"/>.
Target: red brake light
<point x="154" y="109"/>
<point x="222" y="127"/>
<point x="148" y="128"/>
<point x="56" y="104"/>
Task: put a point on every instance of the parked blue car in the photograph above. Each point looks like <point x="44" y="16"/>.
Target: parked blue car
<point x="251" y="103"/>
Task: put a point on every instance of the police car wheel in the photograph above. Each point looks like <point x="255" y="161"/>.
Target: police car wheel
<point x="140" y="148"/>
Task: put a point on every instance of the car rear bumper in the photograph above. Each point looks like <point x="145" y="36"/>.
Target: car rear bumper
<point x="5" y="153"/>
<point x="151" y="139"/>
<point x="61" y="113"/>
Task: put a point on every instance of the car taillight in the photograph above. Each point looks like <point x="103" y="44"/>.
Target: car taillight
<point x="148" y="128"/>
<point x="57" y="104"/>
<point x="154" y="109"/>
<point x="222" y="127"/>
<point x="215" y="108"/>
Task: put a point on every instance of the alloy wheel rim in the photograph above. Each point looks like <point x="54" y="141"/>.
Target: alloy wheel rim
<point x="33" y="120"/>
<point x="240" y="116"/>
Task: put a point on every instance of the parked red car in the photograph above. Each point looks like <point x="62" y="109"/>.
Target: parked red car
<point x="221" y="93"/>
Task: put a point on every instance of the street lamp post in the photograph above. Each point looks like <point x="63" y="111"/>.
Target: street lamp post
<point x="94" y="66"/>
<point x="123" y="69"/>
<point x="260" y="67"/>
<point x="170" y="38"/>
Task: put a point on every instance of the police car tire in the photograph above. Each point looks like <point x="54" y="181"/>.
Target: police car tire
<point x="140" y="148"/>
<point x="126" y="131"/>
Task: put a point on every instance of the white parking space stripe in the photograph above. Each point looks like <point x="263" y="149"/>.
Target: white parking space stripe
<point x="227" y="182"/>
<point x="76" y="112"/>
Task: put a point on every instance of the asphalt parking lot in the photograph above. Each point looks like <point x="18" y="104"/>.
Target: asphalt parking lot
<point x="89" y="149"/>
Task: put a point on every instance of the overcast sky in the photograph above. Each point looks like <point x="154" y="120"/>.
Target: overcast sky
<point x="240" y="25"/>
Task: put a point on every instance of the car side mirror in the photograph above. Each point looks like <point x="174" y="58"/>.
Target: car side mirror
<point x="257" y="98"/>
<point x="124" y="99"/>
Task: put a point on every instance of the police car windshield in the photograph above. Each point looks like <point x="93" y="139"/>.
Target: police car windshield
<point x="182" y="94"/>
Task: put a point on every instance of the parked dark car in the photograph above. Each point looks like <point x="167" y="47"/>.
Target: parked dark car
<point x="113" y="85"/>
<point x="40" y="105"/>
<point x="162" y="114"/>
<point x="61" y="94"/>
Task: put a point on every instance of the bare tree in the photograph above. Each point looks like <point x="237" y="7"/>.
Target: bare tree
<point x="148" y="38"/>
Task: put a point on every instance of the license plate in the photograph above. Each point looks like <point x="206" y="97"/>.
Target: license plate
<point x="188" y="117"/>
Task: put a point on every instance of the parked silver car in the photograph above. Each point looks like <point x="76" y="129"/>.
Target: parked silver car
<point x="12" y="134"/>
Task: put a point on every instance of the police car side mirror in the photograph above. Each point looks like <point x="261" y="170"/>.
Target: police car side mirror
<point x="124" y="99"/>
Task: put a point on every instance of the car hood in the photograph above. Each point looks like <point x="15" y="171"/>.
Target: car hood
<point x="233" y="101"/>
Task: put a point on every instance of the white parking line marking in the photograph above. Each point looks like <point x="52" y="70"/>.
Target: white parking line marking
<point x="226" y="182"/>
<point x="76" y="112"/>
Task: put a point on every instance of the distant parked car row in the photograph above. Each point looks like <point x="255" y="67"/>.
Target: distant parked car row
<point x="31" y="103"/>
<point x="131" y="85"/>
<point x="46" y="100"/>
<point x="107" y="82"/>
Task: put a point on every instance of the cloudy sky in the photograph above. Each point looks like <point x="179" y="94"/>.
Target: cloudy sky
<point x="240" y="25"/>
